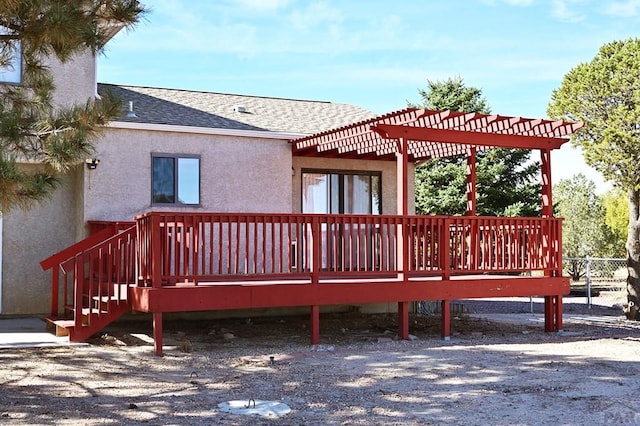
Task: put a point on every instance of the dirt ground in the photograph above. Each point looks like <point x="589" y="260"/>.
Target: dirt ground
<point x="488" y="373"/>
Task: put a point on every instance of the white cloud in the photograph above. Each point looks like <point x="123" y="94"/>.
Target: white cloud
<point x="628" y="8"/>
<point x="568" y="10"/>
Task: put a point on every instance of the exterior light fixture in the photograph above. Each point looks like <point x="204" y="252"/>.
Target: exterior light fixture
<point x="92" y="163"/>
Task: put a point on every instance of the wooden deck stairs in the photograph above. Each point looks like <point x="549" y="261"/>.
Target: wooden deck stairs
<point x="91" y="282"/>
<point x="103" y="311"/>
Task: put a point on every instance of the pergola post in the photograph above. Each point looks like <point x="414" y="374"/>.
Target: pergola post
<point x="402" y="208"/>
<point x="473" y="237"/>
<point x="552" y="304"/>
<point x="545" y="170"/>
<point x="471" y="182"/>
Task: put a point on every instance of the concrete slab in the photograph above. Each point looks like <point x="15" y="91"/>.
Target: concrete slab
<point x="31" y="332"/>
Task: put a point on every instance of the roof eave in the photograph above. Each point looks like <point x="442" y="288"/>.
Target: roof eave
<point x="261" y="134"/>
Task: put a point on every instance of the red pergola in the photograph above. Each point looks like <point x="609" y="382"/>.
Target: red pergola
<point x="415" y="135"/>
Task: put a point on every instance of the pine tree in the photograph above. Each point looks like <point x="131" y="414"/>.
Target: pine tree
<point x="605" y="94"/>
<point x="506" y="179"/>
<point x="32" y="129"/>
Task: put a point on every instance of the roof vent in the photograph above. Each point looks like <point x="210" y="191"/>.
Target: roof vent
<point x="240" y="108"/>
<point x="131" y="113"/>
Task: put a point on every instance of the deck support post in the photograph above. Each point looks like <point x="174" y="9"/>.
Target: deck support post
<point x="558" y="312"/>
<point x="315" y="324"/>
<point x="403" y="320"/>
<point x="157" y="333"/>
<point x="446" y="319"/>
<point x="552" y="313"/>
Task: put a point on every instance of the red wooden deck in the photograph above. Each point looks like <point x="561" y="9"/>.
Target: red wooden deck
<point x="170" y="262"/>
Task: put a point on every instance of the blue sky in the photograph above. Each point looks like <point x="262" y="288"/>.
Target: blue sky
<point x="375" y="54"/>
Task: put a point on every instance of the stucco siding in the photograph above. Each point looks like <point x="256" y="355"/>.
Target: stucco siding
<point x="75" y="80"/>
<point x="237" y="174"/>
<point x="29" y="237"/>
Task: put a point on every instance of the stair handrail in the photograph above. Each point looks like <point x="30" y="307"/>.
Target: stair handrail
<point x="84" y="244"/>
<point x="79" y="283"/>
<point x="63" y="256"/>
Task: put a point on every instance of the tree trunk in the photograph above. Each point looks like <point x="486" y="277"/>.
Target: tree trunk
<point x="632" y="308"/>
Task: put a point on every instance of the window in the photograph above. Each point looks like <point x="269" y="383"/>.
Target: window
<point x="175" y="179"/>
<point x="10" y="59"/>
<point x="341" y="192"/>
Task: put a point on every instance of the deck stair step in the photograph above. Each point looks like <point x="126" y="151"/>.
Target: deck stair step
<point x="92" y="322"/>
<point x="60" y="327"/>
<point x="93" y="311"/>
<point x="103" y="310"/>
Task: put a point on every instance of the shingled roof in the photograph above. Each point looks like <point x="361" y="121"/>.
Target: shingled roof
<point x="154" y="105"/>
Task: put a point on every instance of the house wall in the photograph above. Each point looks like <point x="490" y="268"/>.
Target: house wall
<point x="75" y="80"/>
<point x="387" y="168"/>
<point x="50" y="226"/>
<point x="237" y="174"/>
<point x="30" y="236"/>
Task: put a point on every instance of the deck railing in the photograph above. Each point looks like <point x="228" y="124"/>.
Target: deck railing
<point x="194" y="248"/>
<point x="61" y="272"/>
<point x="96" y="280"/>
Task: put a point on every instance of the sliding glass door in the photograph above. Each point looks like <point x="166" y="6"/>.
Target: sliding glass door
<point x="340" y="192"/>
<point x="345" y="247"/>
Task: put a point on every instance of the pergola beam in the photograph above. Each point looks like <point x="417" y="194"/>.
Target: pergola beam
<point x="432" y="134"/>
<point x="468" y="137"/>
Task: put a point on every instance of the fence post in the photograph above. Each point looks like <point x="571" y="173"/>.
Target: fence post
<point x="588" y="282"/>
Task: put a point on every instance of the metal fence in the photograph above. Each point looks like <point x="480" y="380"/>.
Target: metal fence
<point x="603" y="281"/>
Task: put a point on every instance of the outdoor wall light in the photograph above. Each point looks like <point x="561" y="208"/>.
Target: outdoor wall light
<point x="92" y="163"/>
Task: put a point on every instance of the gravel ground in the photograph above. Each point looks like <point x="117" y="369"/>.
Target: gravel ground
<point x="488" y="373"/>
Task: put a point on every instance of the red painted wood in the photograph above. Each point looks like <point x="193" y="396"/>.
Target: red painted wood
<point x="259" y="246"/>
<point x="158" y="247"/>
<point x="558" y="313"/>
<point x="471" y="182"/>
<point x="445" y="318"/>
<point x="548" y="313"/>
<point x="192" y="262"/>
<point x="370" y="139"/>
<point x="403" y="320"/>
<point x="315" y="324"/>
<point x="157" y="333"/>
<point x="545" y="169"/>
<point x="95" y="283"/>
<point x="186" y="298"/>
<point x="492" y="140"/>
